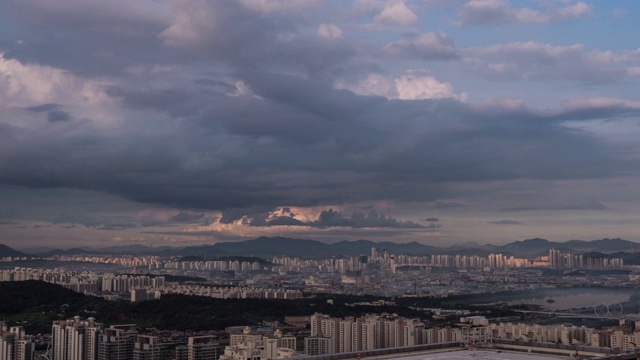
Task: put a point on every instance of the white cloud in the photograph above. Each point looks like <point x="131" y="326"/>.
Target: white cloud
<point x="534" y="60"/>
<point x="329" y="31"/>
<point x="23" y="85"/>
<point x="374" y="84"/>
<point x="413" y="85"/>
<point x="427" y="46"/>
<point x="572" y="11"/>
<point x="484" y="12"/>
<point x="396" y="13"/>
<point x="601" y="103"/>
<point x="193" y="22"/>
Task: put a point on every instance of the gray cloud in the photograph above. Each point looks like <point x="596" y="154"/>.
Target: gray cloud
<point x="58" y="115"/>
<point x="425" y="46"/>
<point x="43" y="108"/>
<point x="98" y="37"/>
<point x="505" y="222"/>
<point x="321" y="146"/>
<point x="187" y="217"/>
<point x="432" y="219"/>
<point x="560" y="204"/>
<point x="225" y="106"/>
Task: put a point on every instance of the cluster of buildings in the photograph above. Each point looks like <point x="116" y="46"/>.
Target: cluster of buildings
<point x="232" y="292"/>
<point x="615" y="337"/>
<point x="395" y="263"/>
<point x="560" y="260"/>
<point x="86" y="339"/>
<point x="154" y="262"/>
<point x="78" y="339"/>
<point x="212" y="265"/>
<point x="120" y="260"/>
<point x="85" y="282"/>
<point x="370" y="332"/>
<point x="334" y="335"/>
<point x="250" y="346"/>
<point x="141" y="287"/>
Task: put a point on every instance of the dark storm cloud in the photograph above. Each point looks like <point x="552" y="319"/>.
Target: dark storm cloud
<point x="58" y="115"/>
<point x="432" y="219"/>
<point x="321" y="146"/>
<point x="505" y="222"/>
<point x="213" y="30"/>
<point x="187" y="217"/>
<point x="97" y="37"/>
<point x="43" y="108"/>
<point x="448" y="205"/>
<point x="264" y="125"/>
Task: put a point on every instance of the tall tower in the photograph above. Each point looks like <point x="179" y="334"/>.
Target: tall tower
<point x="374" y="253"/>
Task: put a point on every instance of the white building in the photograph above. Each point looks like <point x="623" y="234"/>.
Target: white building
<point x="249" y="346"/>
<point x="203" y="348"/>
<point x="75" y="339"/>
<point x="15" y="345"/>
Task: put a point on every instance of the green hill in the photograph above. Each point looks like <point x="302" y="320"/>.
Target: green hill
<point x="35" y="304"/>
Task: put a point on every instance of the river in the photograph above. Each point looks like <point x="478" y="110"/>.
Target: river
<point x="568" y="298"/>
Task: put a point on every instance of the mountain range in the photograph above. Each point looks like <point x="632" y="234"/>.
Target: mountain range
<point x="6" y="251"/>
<point x="278" y="246"/>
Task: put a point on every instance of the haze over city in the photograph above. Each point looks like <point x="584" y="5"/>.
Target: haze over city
<point x="190" y="122"/>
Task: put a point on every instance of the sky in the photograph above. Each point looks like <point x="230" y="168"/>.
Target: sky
<point x="192" y="122"/>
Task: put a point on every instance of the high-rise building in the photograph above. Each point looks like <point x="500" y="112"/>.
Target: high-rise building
<point x="75" y="339"/>
<point x="319" y="345"/>
<point x="182" y="352"/>
<point x="117" y="342"/>
<point x="244" y="337"/>
<point x="147" y="348"/>
<point x="203" y="348"/>
<point x="251" y="346"/>
<point x="15" y="345"/>
<point x="556" y="260"/>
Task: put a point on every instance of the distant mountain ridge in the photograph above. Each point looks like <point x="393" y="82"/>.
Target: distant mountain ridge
<point x="281" y="246"/>
<point x="6" y="251"/>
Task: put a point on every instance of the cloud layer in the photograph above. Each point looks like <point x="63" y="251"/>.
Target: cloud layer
<point x="213" y="117"/>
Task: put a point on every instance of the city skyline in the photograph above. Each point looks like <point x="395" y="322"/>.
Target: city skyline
<point x="190" y="122"/>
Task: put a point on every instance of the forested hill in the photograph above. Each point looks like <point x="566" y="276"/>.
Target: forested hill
<point x="36" y="304"/>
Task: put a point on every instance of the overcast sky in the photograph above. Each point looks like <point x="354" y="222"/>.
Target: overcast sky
<point x="190" y="121"/>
